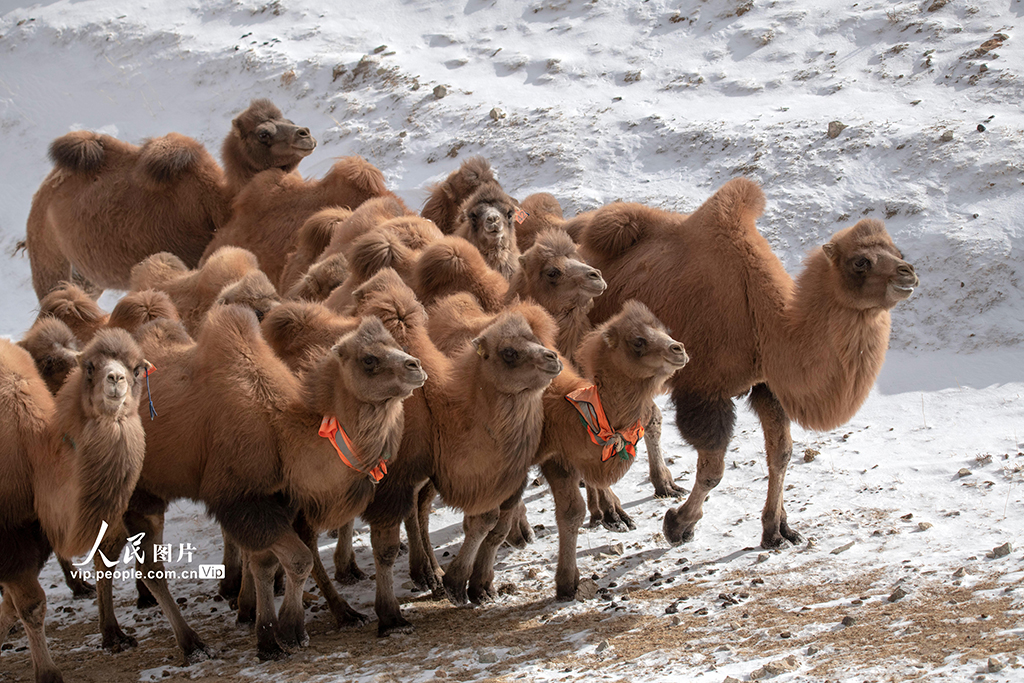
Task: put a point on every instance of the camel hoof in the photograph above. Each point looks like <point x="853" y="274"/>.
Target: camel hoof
<point x="677" y="532"/>
<point x="145" y="601"/>
<point x="788" y="533"/>
<point x="197" y="654"/>
<point x="119" y="642"/>
<point x="481" y="595"/>
<point x="456" y="593"/>
<point x="83" y="591"/>
<point x="349" y="617"/>
<point x="426" y="581"/>
<point x="398" y="625"/>
<point x="520" y="536"/>
<point x="230" y="587"/>
<point x="271" y="654"/>
<point x="49" y="677"/>
<point x="246" y="616"/>
<point x="292" y="637"/>
<point x="565" y="594"/>
<point x="669" y="490"/>
<point x="347" y="577"/>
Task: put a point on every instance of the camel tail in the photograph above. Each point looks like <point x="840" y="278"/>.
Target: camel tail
<point x="78" y="152"/>
<point x="167" y="159"/>
<point x="19" y="247"/>
<point x="616" y="228"/>
<point x="363" y="175"/>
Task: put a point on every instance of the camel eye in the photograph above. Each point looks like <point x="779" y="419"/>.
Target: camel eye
<point x="554" y="273"/>
<point x="263" y="135"/>
<point x="862" y="265"/>
<point x="639" y="344"/>
<point x="370" y="363"/>
<point x="137" y="370"/>
<point x="509" y="355"/>
<point x="88" y="369"/>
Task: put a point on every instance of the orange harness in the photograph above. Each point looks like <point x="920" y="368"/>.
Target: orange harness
<point x="330" y="429"/>
<point x="587" y="402"/>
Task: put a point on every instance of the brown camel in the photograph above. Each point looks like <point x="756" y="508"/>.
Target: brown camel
<point x="368" y="216"/>
<point x="231" y="275"/>
<point x="135" y="309"/>
<point x="67" y="465"/>
<point x="55" y="350"/>
<point x="300" y="331"/>
<point x="474" y="436"/>
<point x="446" y="197"/>
<point x="243" y="434"/>
<point x="627" y="361"/>
<point x="73" y="306"/>
<point x="310" y="242"/>
<point x="267" y="214"/>
<point x="486" y="220"/>
<point x="543" y="212"/>
<point x="807" y="350"/>
<point x="108" y="204"/>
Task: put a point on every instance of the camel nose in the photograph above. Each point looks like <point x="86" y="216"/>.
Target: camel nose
<point x="594" y="274"/>
<point x="905" y="270"/>
<point x="117" y="385"/>
<point x="412" y="364"/>
<point x="302" y="133"/>
<point x="677" y="349"/>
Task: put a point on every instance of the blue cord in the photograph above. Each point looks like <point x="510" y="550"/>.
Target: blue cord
<point x="149" y="395"/>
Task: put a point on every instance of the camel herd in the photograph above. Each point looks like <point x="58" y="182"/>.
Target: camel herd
<point x="321" y="352"/>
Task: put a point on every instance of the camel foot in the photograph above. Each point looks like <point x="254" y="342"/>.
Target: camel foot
<point x="478" y="595"/>
<point x="677" y="531"/>
<point x="246" y="614"/>
<point x="345" y="616"/>
<point x="118" y="641"/>
<point x="613" y="520"/>
<point x="669" y="490"/>
<point x="391" y="625"/>
<point x="520" y="536"/>
<point x="292" y="635"/>
<point x="230" y="586"/>
<point x="347" y="576"/>
<point x="272" y="653"/>
<point x="455" y="590"/>
<point x="772" y="538"/>
<point x="197" y="653"/>
<point x="565" y="593"/>
<point x="426" y="581"/>
<point x="145" y="601"/>
<point x="82" y="590"/>
<point x="49" y="677"/>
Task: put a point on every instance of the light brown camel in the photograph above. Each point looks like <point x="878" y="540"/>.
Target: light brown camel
<point x="108" y="204"/>
<point x="267" y="214"/>
<point x="73" y="306"/>
<point x="250" y="431"/>
<point x="487" y="220"/>
<point x="627" y="361"/>
<point x="446" y="197"/>
<point x="310" y="242"/>
<point x="66" y="466"/>
<point x="228" y="276"/>
<point x="807" y="350"/>
<point x="543" y="213"/>
<point x="474" y="436"/>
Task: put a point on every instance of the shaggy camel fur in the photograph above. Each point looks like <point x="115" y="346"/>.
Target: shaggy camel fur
<point x="108" y="204"/>
<point x="66" y="466"/>
<point x="628" y="359"/>
<point x="446" y="197"/>
<point x="320" y="279"/>
<point x="310" y="242"/>
<point x="370" y="215"/>
<point x="135" y="309"/>
<point x="74" y="307"/>
<point x="808" y="350"/>
<point x="194" y="292"/>
<point x="300" y="331"/>
<point x="543" y="213"/>
<point x="267" y="214"/>
<point x="473" y="434"/>
<point x="54" y="348"/>
<point x="249" y="428"/>
<point x="486" y="220"/>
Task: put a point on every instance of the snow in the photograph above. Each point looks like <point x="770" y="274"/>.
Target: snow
<point x="659" y="102"/>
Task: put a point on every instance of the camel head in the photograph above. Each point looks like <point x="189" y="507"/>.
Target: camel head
<point x="268" y="140"/>
<point x="135" y="309"/>
<point x="255" y="291"/>
<point x="512" y="357"/>
<point x="113" y="372"/>
<point x="635" y="344"/>
<point x="55" y="350"/>
<point x="554" y="275"/>
<point x="486" y="218"/>
<point x="372" y="365"/>
<point x="868" y="269"/>
<point x="386" y="297"/>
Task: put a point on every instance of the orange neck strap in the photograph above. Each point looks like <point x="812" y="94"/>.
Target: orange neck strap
<point x="623" y="442"/>
<point x="331" y="430"/>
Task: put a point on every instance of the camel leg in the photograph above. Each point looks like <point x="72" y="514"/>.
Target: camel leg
<point x="80" y="588"/>
<point x="192" y="647"/>
<point x="707" y="424"/>
<point x="385" y="542"/>
<point x="481" y="581"/>
<point x="8" y="615"/>
<point x="778" y="445"/>
<point x="296" y="559"/>
<point x="606" y="510"/>
<point x="569" y="515"/>
<point x="114" y="639"/>
<point x="520" y="533"/>
<point x="246" y="602"/>
<point x="263" y="566"/>
<point x="346" y="571"/>
<point x="29" y="602"/>
<point x="424" y="569"/>
<point x="661" y="477"/>
<point x="231" y="584"/>
<point x="344" y="615"/>
<point x="48" y="263"/>
<point x="456" y="575"/>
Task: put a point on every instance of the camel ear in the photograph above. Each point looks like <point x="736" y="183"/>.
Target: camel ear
<point x="338" y="350"/>
<point x="830" y="251"/>
<point x="522" y="260"/>
<point x="480" y="344"/>
<point x="610" y="339"/>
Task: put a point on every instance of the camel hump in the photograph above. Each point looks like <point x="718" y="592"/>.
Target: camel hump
<point x="736" y="205"/>
<point x="362" y="174"/>
<point x="616" y="228"/>
<point x="168" y="158"/>
<point x="376" y="250"/>
<point x="229" y="326"/>
<point x="79" y="152"/>
<point x="156" y="271"/>
<point x="447" y="260"/>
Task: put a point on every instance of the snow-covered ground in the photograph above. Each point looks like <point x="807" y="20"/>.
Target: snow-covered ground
<point x="659" y="102"/>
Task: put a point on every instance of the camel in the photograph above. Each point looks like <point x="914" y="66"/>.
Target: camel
<point x="486" y="220"/>
<point x="446" y="197"/>
<point x="135" y="309"/>
<point x="255" y="443"/>
<point x="54" y="348"/>
<point x="365" y="218"/>
<point x="267" y="214"/>
<point x="807" y="350"/>
<point x="543" y="212"/>
<point x="108" y="204"/>
<point x="71" y="305"/>
<point x="310" y="242"/>
<point x="627" y="361"/>
<point x="320" y="279"/>
<point x="473" y="434"/>
<point x="299" y="331"/>
<point x="231" y="275"/>
<point x="67" y="465"/>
